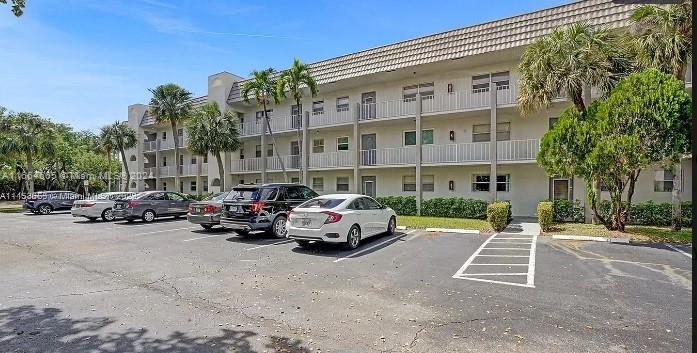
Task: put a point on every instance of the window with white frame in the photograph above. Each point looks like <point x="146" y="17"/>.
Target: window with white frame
<point x="164" y="161"/>
<point x="241" y="153"/>
<point x="193" y="185"/>
<point x="342" y="104"/>
<point x="480" y="83"/>
<point x="427" y="183"/>
<point x="409" y="183"/>
<point x="257" y="151"/>
<point x="425" y="89"/>
<point x="426" y="137"/>
<point x="480" y="182"/>
<point x="205" y="185"/>
<point x="342" y="143"/>
<point x="663" y="181"/>
<point x="318" y="184"/>
<point x="342" y="184"/>
<point x="164" y="135"/>
<point x="269" y="150"/>
<point x="260" y="115"/>
<point x="317" y="107"/>
<point x="193" y="159"/>
<point x="164" y="185"/>
<point x="317" y="145"/>
<point x="480" y="133"/>
<point x="295" y="109"/>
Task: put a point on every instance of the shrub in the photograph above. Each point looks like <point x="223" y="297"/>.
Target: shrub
<point x="650" y="213"/>
<point x="567" y="211"/>
<point x="545" y="212"/>
<point x="497" y="214"/>
<point x="454" y="207"/>
<point x="402" y="205"/>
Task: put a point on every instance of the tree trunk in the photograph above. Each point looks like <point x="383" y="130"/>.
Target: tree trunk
<point x="273" y="144"/>
<point x="300" y="137"/>
<point x="125" y="168"/>
<point x="108" y="170"/>
<point x="199" y="160"/>
<point x="221" y="171"/>
<point x="676" y="219"/>
<point x="177" y="184"/>
<point x="633" y="177"/>
<point x="577" y="99"/>
<point x="596" y="200"/>
<point x="30" y="171"/>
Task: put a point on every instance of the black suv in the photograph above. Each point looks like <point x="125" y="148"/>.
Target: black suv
<point x="262" y="207"/>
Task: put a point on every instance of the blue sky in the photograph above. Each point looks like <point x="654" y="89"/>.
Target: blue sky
<point x="84" y="61"/>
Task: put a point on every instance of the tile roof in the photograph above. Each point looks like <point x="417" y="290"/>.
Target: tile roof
<point x="491" y="36"/>
<point x="150" y="120"/>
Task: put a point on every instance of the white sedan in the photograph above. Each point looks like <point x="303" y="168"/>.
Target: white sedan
<point x="339" y="218"/>
<point x="101" y="206"/>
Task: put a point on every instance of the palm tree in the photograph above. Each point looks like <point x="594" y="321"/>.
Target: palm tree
<point x="663" y="40"/>
<point x="170" y="103"/>
<point x="211" y="131"/>
<point x="263" y="87"/>
<point x="29" y="136"/>
<point x="106" y="144"/>
<point x="293" y="80"/>
<point x="123" y="138"/>
<point x="568" y="60"/>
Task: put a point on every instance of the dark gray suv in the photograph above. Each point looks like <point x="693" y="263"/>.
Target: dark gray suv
<point x="45" y="202"/>
<point x="262" y="207"/>
<point x="150" y="205"/>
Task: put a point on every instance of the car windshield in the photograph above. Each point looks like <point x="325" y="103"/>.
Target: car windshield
<point x="241" y="194"/>
<point x="217" y="197"/>
<point x="322" y="203"/>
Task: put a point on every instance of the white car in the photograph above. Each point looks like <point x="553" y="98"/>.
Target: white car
<point x="340" y="218"/>
<point x="101" y="206"/>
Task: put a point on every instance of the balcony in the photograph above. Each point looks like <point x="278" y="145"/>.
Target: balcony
<point x="294" y="122"/>
<point x="184" y="170"/>
<point x="291" y="162"/>
<point x="150" y="145"/>
<point x="169" y="143"/>
<point x="339" y="159"/>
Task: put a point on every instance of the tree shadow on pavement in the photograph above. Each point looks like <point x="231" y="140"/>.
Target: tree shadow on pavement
<point x="31" y="329"/>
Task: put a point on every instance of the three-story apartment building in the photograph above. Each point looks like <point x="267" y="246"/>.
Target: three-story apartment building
<point x="435" y="116"/>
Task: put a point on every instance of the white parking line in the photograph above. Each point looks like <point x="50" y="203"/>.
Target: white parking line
<point x="165" y="230"/>
<point x="679" y="250"/>
<point x="373" y="246"/>
<point x="274" y="243"/>
<point x="495" y="239"/>
<point x="206" y="237"/>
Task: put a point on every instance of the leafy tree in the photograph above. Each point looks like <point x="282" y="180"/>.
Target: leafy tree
<point x="663" y="38"/>
<point x="643" y="121"/>
<point x="263" y="87"/>
<point x="170" y="104"/>
<point x="17" y="6"/>
<point x="293" y="80"/>
<point x="124" y="137"/>
<point x="568" y="60"/>
<point x="211" y="131"/>
<point x="26" y="136"/>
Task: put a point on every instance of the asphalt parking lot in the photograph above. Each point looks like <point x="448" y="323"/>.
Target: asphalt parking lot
<point x="69" y="285"/>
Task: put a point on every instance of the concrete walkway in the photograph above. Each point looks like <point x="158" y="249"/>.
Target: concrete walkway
<point x="523" y="226"/>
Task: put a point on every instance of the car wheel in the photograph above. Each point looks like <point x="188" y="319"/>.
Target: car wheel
<point x="206" y="226"/>
<point x="303" y="243"/>
<point x="108" y="215"/>
<point x="391" y="226"/>
<point x="148" y="216"/>
<point x="91" y="219"/>
<point x="45" y="209"/>
<point x="278" y="227"/>
<point x="242" y="233"/>
<point x="353" y="238"/>
<point x="129" y="220"/>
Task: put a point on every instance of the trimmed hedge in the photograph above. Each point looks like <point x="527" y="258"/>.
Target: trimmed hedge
<point x="650" y="213"/>
<point x="450" y="207"/>
<point x="498" y="215"/>
<point x="567" y="211"/>
<point x="545" y="212"/>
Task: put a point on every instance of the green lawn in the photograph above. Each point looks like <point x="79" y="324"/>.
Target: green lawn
<point x="643" y="233"/>
<point x="439" y="222"/>
<point x="11" y="209"/>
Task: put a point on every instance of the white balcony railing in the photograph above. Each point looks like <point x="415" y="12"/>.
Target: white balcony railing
<point x="150" y="172"/>
<point x="517" y="150"/>
<point x="169" y="143"/>
<point x="149" y="146"/>
<point x="455" y="153"/>
<point x="184" y="170"/>
<point x="389" y="156"/>
<point x="331" y="117"/>
<point x="291" y="162"/>
<point x="331" y="159"/>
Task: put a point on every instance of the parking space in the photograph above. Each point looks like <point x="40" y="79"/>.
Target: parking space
<point x="510" y="292"/>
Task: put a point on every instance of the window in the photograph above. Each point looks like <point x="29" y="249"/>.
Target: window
<point x="370" y="204"/>
<point x="241" y="153"/>
<point x="342" y="104"/>
<point x="317" y="145"/>
<point x="425" y="89"/>
<point x="205" y="185"/>
<point x="257" y="152"/>
<point x="133" y="158"/>
<point x="156" y="196"/>
<point x="342" y="143"/>
<point x="240" y="118"/>
<point x="480" y="133"/>
<point x="180" y="132"/>
<point x="164" y="161"/>
<point x="342" y="184"/>
<point x="260" y="115"/>
<point x="560" y="189"/>
<point x="269" y="150"/>
<point x="193" y="185"/>
<point x="193" y="159"/>
<point x="295" y="180"/>
<point x="318" y="184"/>
<point x="164" y="135"/>
<point x="481" y="182"/>
<point x="296" y="109"/>
<point x="317" y="107"/>
<point x="480" y="83"/>
<point x="663" y="181"/>
<point x="426" y="137"/>
<point x="409" y="183"/>
<point x="164" y="185"/>
<point x="205" y="158"/>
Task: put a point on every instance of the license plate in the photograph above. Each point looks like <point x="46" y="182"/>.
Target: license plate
<point x="118" y="206"/>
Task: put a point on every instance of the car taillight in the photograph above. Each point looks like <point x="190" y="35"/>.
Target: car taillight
<point x="209" y="209"/>
<point x="257" y="206"/>
<point x="87" y="204"/>
<point x="290" y="215"/>
<point x="333" y="217"/>
<point x="131" y="204"/>
<point x="191" y="209"/>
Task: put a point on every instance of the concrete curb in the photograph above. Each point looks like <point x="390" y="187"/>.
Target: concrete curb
<point x="588" y="238"/>
<point x="453" y="230"/>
